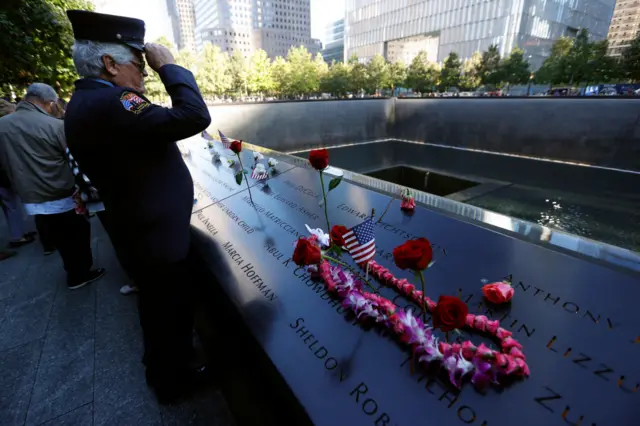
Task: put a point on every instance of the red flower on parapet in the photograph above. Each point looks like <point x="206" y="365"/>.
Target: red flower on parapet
<point x="306" y="253"/>
<point x="337" y="235"/>
<point x="319" y="158"/>
<point x="413" y="254"/>
<point x="450" y="313"/>
<point x="236" y="146"/>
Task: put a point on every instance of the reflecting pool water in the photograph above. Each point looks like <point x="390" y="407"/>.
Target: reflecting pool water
<point x="611" y="221"/>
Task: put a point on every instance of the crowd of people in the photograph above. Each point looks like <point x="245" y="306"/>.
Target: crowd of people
<point x="112" y="153"/>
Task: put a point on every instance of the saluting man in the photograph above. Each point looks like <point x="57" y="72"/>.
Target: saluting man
<point x="126" y="146"/>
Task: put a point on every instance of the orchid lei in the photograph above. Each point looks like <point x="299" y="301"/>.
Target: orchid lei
<point x="485" y="365"/>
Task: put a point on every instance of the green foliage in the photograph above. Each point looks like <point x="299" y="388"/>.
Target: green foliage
<point x="35" y="45"/>
<point x="336" y="80"/>
<point x="470" y="78"/>
<point x="212" y="76"/>
<point x="237" y="71"/>
<point x="280" y="71"/>
<point x="377" y="72"/>
<point x="630" y="61"/>
<point x="422" y="76"/>
<point x="515" y="69"/>
<point x="451" y="72"/>
<point x="488" y="69"/>
<point x="302" y="72"/>
<point x="259" y="78"/>
<point x="358" y="77"/>
<point x="397" y="75"/>
<point x="239" y="176"/>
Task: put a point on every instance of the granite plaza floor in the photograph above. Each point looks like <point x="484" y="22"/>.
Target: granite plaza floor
<point x="73" y="357"/>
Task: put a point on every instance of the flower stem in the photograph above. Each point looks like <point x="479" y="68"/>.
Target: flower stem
<point x="339" y="262"/>
<point x="244" y="177"/>
<point x="385" y="210"/>
<point x="424" y="303"/>
<point x="324" y="197"/>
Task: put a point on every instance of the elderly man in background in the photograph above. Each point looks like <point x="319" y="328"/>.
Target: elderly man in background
<point x="10" y="203"/>
<point x="32" y="152"/>
<point x="127" y="147"/>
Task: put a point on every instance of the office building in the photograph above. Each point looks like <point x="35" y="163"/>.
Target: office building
<point x="624" y="26"/>
<point x="398" y="29"/>
<point x="333" y="42"/>
<point x="247" y="25"/>
<point x="183" y="22"/>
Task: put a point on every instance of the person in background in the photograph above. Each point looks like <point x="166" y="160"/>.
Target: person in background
<point x="127" y="146"/>
<point x="9" y="202"/>
<point x="32" y="151"/>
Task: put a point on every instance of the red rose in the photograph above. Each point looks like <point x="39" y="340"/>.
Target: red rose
<point x="319" y="158"/>
<point x="413" y="254"/>
<point x="337" y="234"/>
<point x="450" y="313"/>
<point x="500" y="292"/>
<point x="236" y="146"/>
<point x="306" y="253"/>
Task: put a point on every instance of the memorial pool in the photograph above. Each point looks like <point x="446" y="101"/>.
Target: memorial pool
<point x="567" y="197"/>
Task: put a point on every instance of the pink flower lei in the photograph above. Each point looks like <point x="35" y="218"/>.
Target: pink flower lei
<point x="484" y="365"/>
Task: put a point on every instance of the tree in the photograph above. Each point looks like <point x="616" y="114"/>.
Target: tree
<point x="554" y="68"/>
<point x="303" y="73"/>
<point x="187" y="59"/>
<point x="489" y="68"/>
<point x="322" y="69"/>
<point x="422" y="76"/>
<point x="578" y="65"/>
<point x="397" y="75"/>
<point x="630" y="61"/>
<point x="470" y="78"/>
<point x="358" y="77"/>
<point x="237" y="70"/>
<point x="378" y="73"/>
<point x="605" y="68"/>
<point x="212" y="76"/>
<point x="450" y="74"/>
<point x="515" y="69"/>
<point x="337" y="80"/>
<point x="259" y="79"/>
<point x="280" y="71"/>
<point x="36" y="44"/>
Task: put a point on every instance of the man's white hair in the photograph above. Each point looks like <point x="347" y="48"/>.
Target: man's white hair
<point x="42" y="92"/>
<point x="87" y="55"/>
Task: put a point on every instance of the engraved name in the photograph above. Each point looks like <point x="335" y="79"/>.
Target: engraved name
<point x="249" y="271"/>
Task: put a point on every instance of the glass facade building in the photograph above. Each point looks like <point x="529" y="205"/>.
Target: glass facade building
<point x="466" y="26"/>
<point x="246" y="25"/>
<point x="333" y="42"/>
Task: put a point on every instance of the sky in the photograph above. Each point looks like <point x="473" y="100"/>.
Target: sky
<point x="154" y="13"/>
<point x="324" y="12"/>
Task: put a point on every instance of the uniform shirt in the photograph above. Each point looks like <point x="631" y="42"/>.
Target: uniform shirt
<point x="127" y="147"/>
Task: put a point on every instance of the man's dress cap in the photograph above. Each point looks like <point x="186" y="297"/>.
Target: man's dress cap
<point x="107" y="28"/>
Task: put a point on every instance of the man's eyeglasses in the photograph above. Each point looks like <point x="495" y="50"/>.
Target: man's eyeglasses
<point x="141" y="65"/>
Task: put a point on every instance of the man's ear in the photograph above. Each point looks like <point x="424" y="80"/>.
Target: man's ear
<point x="110" y="65"/>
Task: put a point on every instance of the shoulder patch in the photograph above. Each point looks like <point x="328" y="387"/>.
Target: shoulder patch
<point x="132" y="102"/>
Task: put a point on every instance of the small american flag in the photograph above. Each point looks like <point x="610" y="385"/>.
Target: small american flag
<point x="206" y="136"/>
<point x="225" y="140"/>
<point x="259" y="174"/>
<point x="361" y="242"/>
